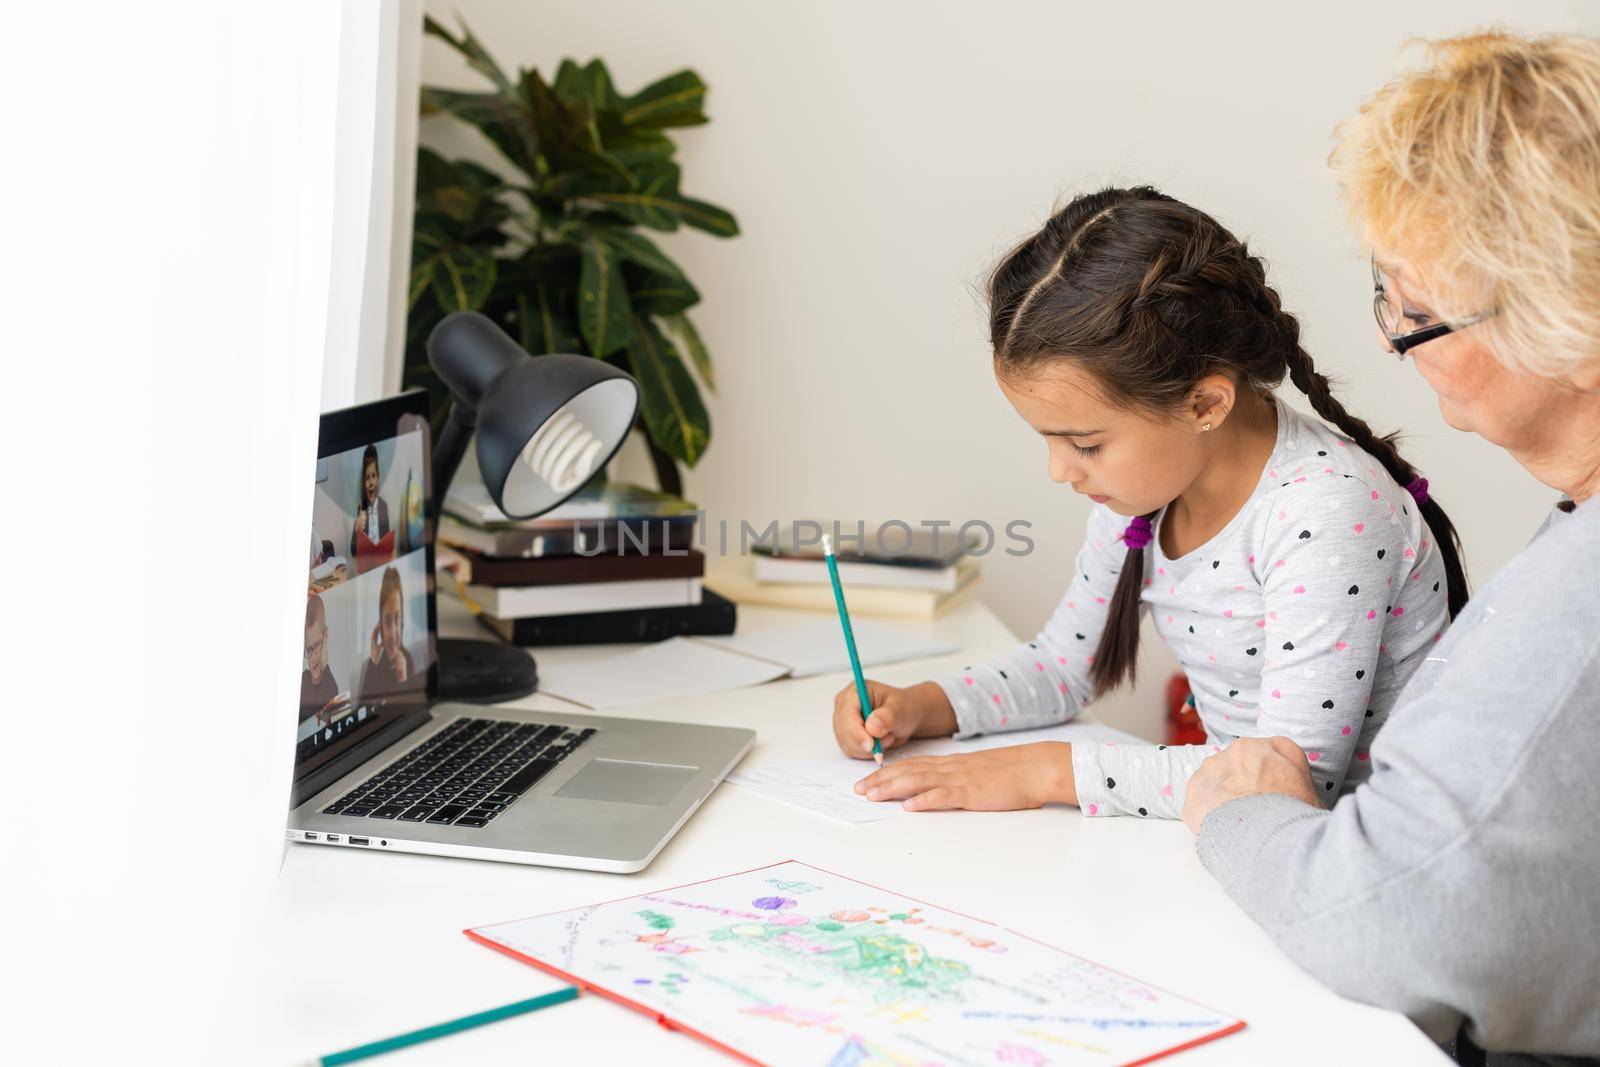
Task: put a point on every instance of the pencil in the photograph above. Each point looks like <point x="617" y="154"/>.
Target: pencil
<point x="850" y="644"/>
<point x="428" y="1033"/>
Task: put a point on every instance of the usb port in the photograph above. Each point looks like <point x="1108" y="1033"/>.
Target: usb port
<point x="310" y="836"/>
<point x="334" y="838"/>
<point x="360" y="841"/>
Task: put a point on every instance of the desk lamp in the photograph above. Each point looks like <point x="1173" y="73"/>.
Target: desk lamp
<point x="544" y="425"/>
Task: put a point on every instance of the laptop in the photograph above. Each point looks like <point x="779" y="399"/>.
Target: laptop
<point x="381" y="765"/>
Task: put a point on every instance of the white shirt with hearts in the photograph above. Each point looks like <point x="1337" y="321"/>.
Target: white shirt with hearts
<point x="1303" y="617"/>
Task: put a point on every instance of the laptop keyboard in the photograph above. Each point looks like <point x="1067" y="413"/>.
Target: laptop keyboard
<point x="464" y="775"/>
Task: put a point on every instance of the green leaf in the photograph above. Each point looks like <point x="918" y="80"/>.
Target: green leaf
<point x="652" y="294"/>
<point x="463" y="279"/>
<point x="676" y="100"/>
<point x="688" y="339"/>
<point x="460" y="276"/>
<point x="499" y="117"/>
<point x="566" y="139"/>
<point x="633" y="148"/>
<point x="421" y="279"/>
<point x="604" y="313"/>
<point x="668" y="397"/>
<point x="708" y="217"/>
<point x="637" y="248"/>
<point x="476" y="55"/>
<point x="590" y="83"/>
<point x="655" y="201"/>
<point x="545" y="323"/>
<point x="655" y="284"/>
<point x="462" y="195"/>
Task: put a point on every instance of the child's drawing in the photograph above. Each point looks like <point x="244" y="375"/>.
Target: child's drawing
<point x="791" y="964"/>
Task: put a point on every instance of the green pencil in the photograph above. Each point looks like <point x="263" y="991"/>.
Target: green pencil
<point x="466" y="1022"/>
<point x="850" y="644"/>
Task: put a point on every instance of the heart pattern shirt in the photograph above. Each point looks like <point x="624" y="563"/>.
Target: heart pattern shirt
<point x="1303" y="617"/>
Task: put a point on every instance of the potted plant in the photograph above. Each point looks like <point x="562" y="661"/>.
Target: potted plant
<point x="554" y="252"/>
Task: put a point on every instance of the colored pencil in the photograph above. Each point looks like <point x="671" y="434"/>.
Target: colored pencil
<point x="466" y="1022"/>
<point x="850" y="644"/>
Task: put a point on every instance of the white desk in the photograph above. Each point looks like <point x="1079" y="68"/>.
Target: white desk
<point x="373" y="943"/>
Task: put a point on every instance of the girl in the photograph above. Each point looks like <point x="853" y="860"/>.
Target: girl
<point x="1300" y="575"/>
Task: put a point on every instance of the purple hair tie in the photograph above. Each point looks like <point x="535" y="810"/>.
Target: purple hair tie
<point x="1418" y="489"/>
<point x="1138" y="533"/>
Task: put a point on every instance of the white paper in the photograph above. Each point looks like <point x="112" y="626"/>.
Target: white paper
<point x="791" y="964"/>
<point x="827" y="786"/>
<point x="818" y="647"/>
<point x="677" y="667"/>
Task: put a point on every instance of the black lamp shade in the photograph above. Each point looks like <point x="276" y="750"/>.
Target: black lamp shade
<point x="544" y="424"/>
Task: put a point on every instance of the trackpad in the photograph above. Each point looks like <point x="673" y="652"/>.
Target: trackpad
<point x="628" y="782"/>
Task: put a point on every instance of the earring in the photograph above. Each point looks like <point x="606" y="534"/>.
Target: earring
<point x="1206" y="427"/>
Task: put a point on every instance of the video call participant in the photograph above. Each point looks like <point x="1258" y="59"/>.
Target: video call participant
<point x="317" y="685"/>
<point x="372" y="513"/>
<point x="389" y="668"/>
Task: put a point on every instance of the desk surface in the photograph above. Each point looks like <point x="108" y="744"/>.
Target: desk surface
<point x="372" y="945"/>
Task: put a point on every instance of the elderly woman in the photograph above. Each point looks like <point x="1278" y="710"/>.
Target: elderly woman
<point x="1461" y="883"/>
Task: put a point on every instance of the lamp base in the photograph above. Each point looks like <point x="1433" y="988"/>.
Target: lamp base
<point x="484" y="672"/>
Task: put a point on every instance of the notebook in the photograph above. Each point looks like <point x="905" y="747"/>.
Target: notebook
<point x="697" y="666"/>
<point x="733" y="578"/>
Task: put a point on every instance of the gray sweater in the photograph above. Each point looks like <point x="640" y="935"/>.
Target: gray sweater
<point x="1461" y="881"/>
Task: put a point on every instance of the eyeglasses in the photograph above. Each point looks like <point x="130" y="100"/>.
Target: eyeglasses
<point x="1387" y="308"/>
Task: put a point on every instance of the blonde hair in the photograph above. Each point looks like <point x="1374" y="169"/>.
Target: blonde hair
<point x="1483" y="167"/>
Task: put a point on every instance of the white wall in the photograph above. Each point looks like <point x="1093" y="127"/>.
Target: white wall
<point x="880" y="155"/>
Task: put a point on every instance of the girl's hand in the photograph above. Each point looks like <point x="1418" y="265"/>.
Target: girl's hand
<point x="995" y="779"/>
<point x="897" y="716"/>
<point x="377" y="644"/>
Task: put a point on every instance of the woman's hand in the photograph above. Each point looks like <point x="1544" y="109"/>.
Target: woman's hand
<point x="1248" y="766"/>
<point x="897" y="716"/>
<point x="377" y="643"/>
<point x="995" y="779"/>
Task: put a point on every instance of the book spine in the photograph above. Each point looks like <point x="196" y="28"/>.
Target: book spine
<point x="713" y="616"/>
<point x="527" y="601"/>
<point x="574" y="570"/>
<point x="609" y="538"/>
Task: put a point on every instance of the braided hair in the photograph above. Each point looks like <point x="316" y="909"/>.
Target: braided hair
<point x="1150" y="296"/>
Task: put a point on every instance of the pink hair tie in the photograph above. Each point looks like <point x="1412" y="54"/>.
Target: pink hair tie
<point x="1138" y="533"/>
<point x="1418" y="489"/>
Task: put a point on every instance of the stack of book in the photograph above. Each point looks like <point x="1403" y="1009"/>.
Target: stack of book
<point x="907" y="573"/>
<point x="614" y="563"/>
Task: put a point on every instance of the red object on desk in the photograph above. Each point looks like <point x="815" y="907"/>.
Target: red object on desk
<point x="1183" y="722"/>
<point x="370" y="553"/>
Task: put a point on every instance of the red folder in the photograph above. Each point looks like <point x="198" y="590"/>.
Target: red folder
<point x="370" y="553"/>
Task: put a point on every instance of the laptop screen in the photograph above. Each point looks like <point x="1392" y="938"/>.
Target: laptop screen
<point x="369" y="654"/>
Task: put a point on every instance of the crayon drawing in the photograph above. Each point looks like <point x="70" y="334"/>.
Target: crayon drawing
<point x="793" y="965"/>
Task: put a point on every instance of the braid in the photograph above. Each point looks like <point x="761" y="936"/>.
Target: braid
<point x="1319" y="390"/>
<point x="1116" y="656"/>
<point x="1315" y="385"/>
<point x="1196" y="271"/>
